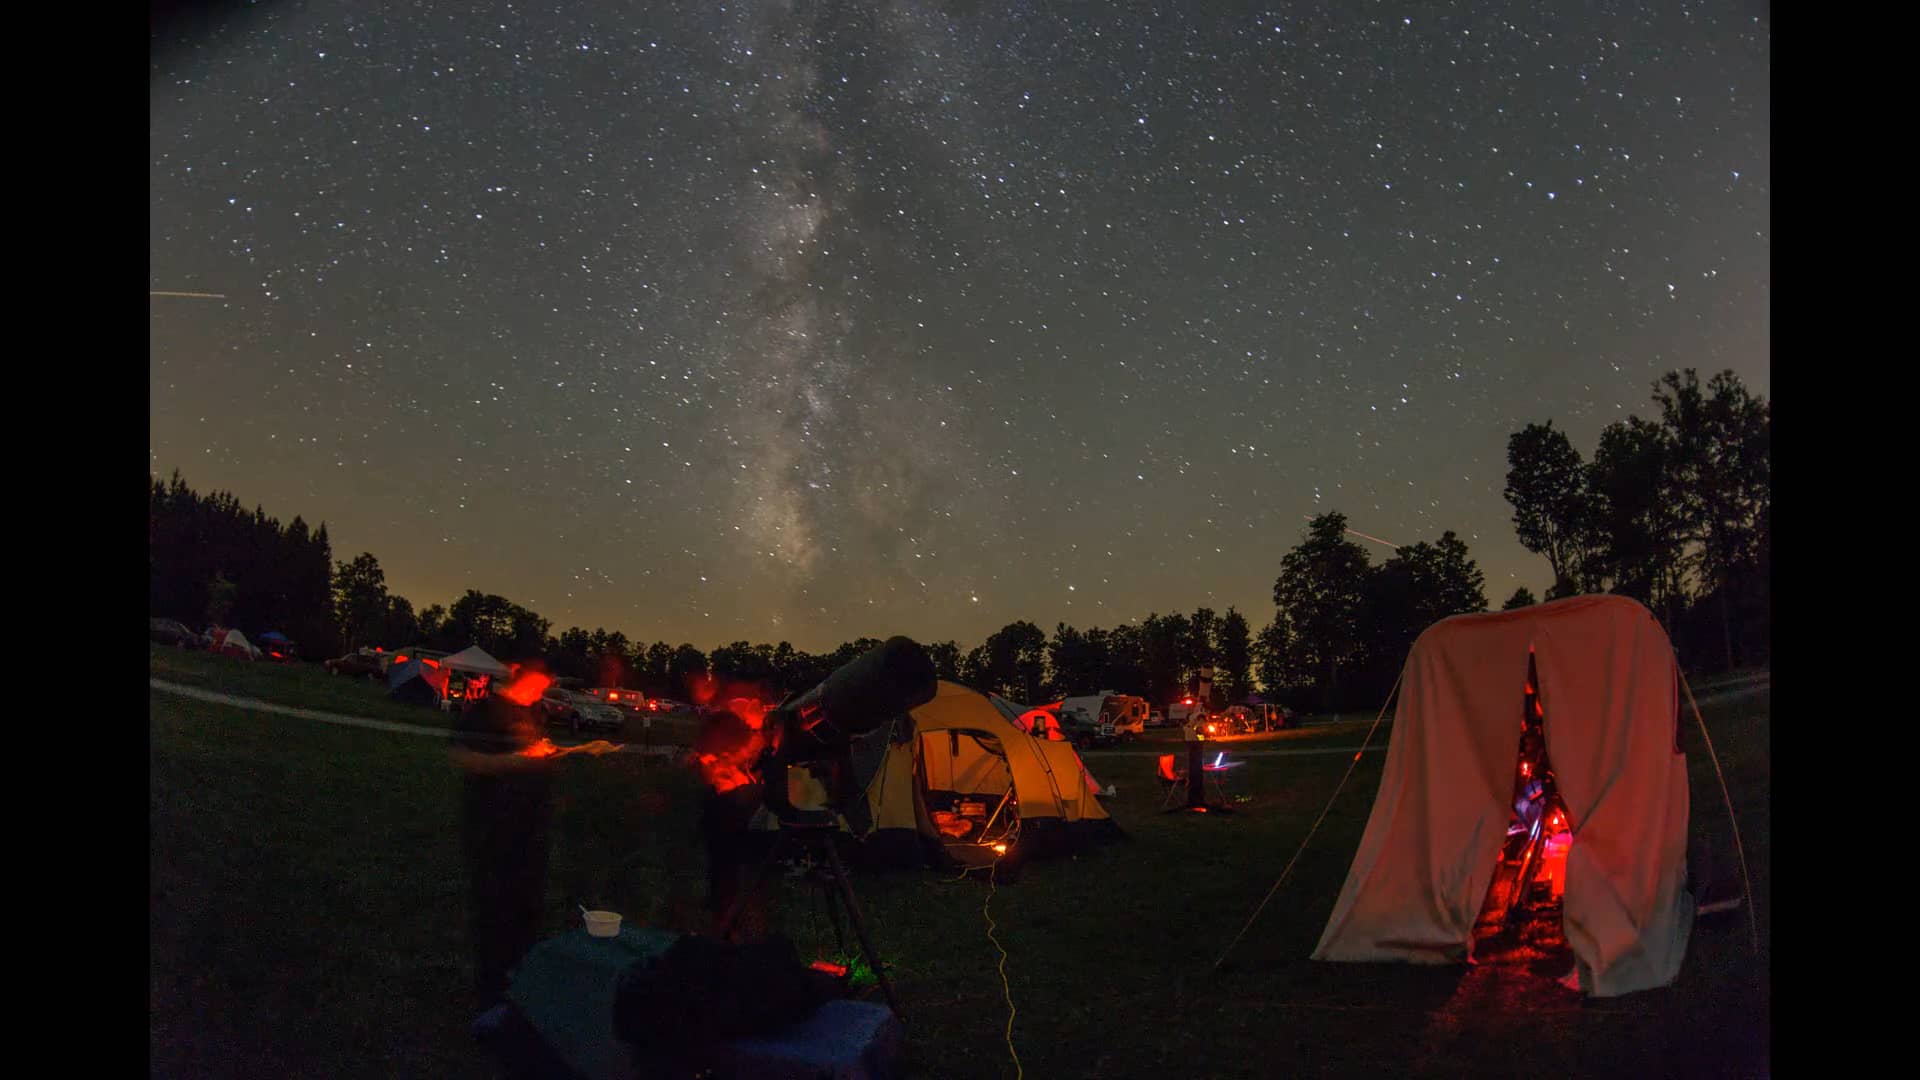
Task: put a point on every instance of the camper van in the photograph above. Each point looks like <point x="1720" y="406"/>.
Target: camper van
<point x="1105" y="717"/>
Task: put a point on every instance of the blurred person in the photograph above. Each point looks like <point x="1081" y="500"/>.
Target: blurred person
<point x="506" y="823"/>
<point x="727" y="750"/>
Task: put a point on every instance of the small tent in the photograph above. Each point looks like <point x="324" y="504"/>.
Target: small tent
<point x="417" y="682"/>
<point x="235" y="643"/>
<point x="1608" y="684"/>
<point x="966" y="778"/>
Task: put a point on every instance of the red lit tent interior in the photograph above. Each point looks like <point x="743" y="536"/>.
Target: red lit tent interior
<point x="1598" y="674"/>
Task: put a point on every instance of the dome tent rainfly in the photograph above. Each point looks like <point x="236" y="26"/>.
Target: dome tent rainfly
<point x="1610" y="687"/>
<point x="966" y="746"/>
<point x="417" y="682"/>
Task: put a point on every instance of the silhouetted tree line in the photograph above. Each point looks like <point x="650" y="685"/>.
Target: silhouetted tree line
<point x="1674" y="512"/>
<point x="1342" y="625"/>
<point x="212" y="561"/>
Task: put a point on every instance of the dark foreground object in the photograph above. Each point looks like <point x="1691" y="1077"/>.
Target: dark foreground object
<point x="576" y="996"/>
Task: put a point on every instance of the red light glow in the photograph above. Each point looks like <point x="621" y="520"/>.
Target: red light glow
<point x="527" y="687"/>
<point x="750" y="709"/>
<point x="545" y="749"/>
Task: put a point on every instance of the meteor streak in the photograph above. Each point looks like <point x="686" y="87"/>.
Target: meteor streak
<point x="1358" y="533"/>
<point x="188" y="295"/>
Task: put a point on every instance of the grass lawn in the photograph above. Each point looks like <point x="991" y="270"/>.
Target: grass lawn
<point x="309" y="686"/>
<point x="307" y="921"/>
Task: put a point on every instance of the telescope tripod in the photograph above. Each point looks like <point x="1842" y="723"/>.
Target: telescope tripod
<point x="817" y="842"/>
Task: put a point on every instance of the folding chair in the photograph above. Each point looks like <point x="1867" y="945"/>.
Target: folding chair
<point x="1175" y="782"/>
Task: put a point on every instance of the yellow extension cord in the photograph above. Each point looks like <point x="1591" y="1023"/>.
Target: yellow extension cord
<point x="986" y="909"/>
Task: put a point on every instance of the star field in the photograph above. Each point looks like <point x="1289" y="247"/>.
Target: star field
<point x="810" y="321"/>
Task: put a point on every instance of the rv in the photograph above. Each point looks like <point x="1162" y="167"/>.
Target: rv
<point x="1105" y="717"/>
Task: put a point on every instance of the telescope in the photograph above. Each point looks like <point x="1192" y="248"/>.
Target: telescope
<point x="815" y="730"/>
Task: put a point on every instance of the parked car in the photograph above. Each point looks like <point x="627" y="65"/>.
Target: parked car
<point x="1082" y="730"/>
<point x="1156" y="718"/>
<point x="364" y="663"/>
<point x="172" y="632"/>
<point x="578" y="711"/>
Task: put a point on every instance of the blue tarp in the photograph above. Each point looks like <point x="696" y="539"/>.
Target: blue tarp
<point x="415" y="681"/>
<point x="565" y="989"/>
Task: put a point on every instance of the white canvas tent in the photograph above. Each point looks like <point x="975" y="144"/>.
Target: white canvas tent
<point x="474" y="661"/>
<point x="1609" y="686"/>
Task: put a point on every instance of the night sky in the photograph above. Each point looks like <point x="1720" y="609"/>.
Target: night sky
<point x="808" y="322"/>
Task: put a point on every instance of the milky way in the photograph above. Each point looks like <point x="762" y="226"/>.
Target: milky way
<point x="809" y="321"/>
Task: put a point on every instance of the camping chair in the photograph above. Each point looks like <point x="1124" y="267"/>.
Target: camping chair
<point x="1171" y="782"/>
<point x="1174" y="782"/>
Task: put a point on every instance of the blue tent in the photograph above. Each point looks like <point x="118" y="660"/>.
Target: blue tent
<point x="416" y="682"/>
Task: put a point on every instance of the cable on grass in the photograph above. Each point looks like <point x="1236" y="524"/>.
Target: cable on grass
<point x="987" y="910"/>
<point x="1316" y="824"/>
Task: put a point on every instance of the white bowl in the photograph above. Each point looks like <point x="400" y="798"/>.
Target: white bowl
<point x="603" y="923"/>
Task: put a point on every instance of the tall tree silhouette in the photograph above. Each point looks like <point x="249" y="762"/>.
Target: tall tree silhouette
<point x="1547" y="487"/>
<point x="1319" y="597"/>
<point x="1236" y="656"/>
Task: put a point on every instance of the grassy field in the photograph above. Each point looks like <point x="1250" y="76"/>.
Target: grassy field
<point x="307" y="921"/>
<point x="310" y="686"/>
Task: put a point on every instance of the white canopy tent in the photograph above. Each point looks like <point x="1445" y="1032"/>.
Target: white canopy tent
<point x="474" y="661"/>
